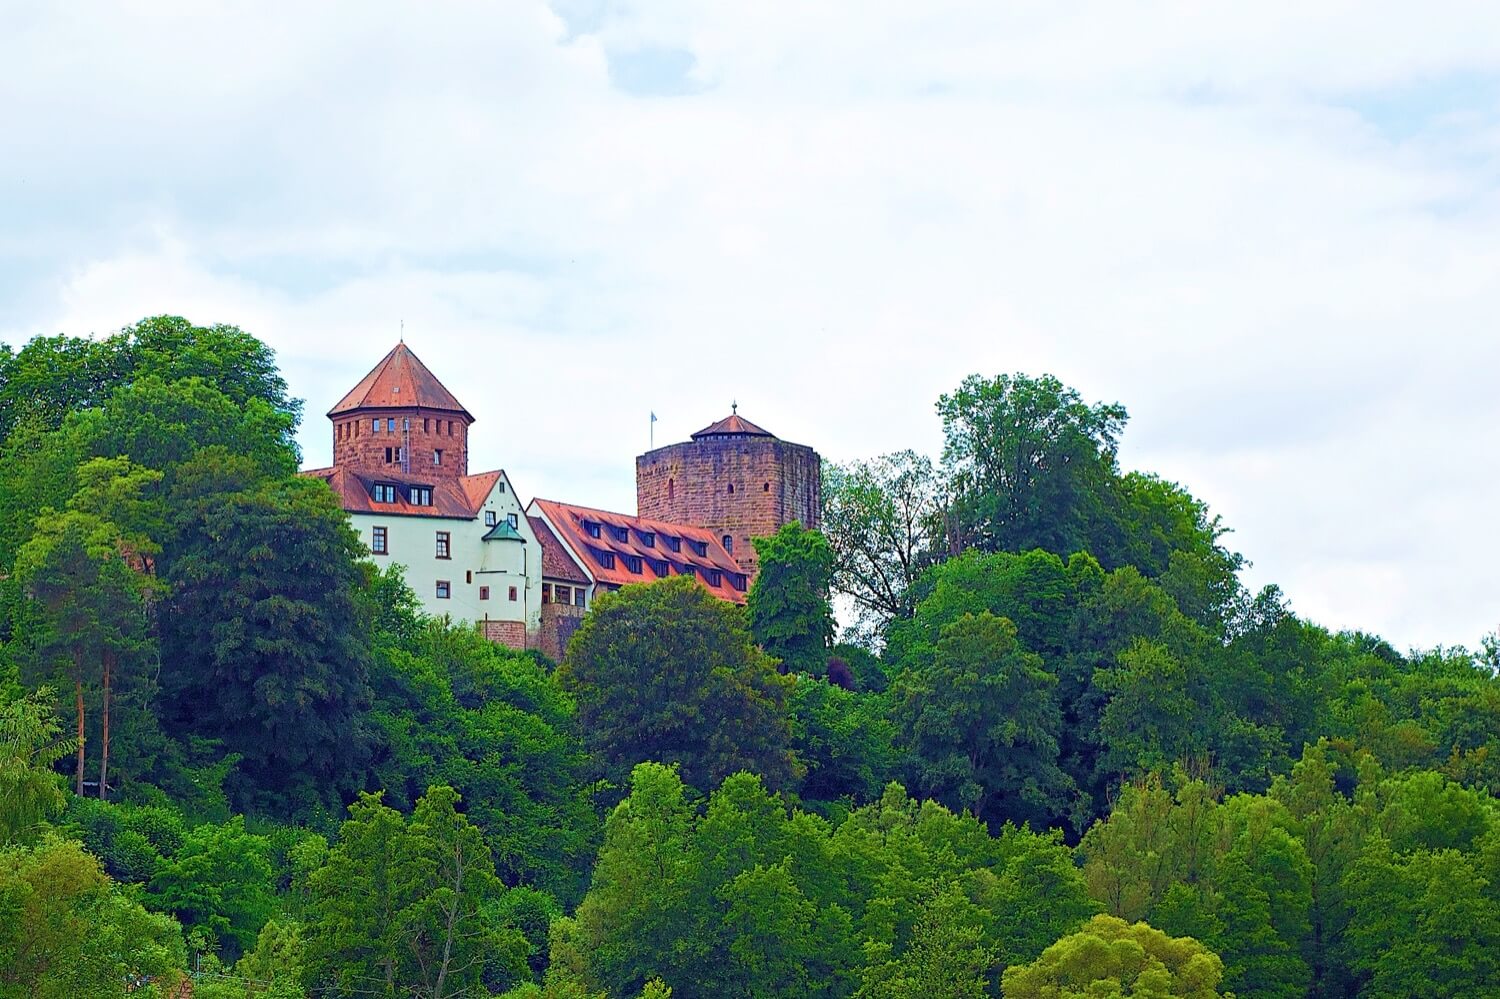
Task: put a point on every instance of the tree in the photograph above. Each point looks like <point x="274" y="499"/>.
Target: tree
<point x="87" y="612"/>
<point x="220" y="880"/>
<point x="884" y="523"/>
<point x="69" y="931"/>
<point x="788" y="608"/>
<point x="265" y="645"/>
<point x="981" y="724"/>
<point x="667" y="672"/>
<point x="1112" y="958"/>
<point x="402" y="907"/>
<point x="1029" y="463"/>
<point x="949" y="956"/>
<point x="30" y="744"/>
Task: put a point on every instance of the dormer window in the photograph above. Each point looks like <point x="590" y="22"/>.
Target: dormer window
<point x="658" y="566"/>
<point x="713" y="577"/>
<point x="700" y="548"/>
<point x="619" y="533"/>
<point x="633" y="563"/>
<point x="686" y="570"/>
<point x="673" y="543"/>
<point x="739" y="580"/>
<point x="606" y="560"/>
<point x="384" y="493"/>
<point x="648" y="539"/>
<point x="591" y="528"/>
<point x="419" y="495"/>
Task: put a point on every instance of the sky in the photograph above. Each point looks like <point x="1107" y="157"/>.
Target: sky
<point x="1269" y="230"/>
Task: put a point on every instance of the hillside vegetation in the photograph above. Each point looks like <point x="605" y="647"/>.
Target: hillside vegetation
<point x="1059" y="752"/>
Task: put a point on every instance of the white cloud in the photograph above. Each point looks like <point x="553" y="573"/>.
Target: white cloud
<point x="1265" y="228"/>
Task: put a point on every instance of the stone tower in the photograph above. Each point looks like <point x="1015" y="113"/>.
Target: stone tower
<point x="734" y="479"/>
<point x="400" y="421"/>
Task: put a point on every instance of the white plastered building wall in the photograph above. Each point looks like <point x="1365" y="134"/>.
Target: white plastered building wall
<point x="480" y="574"/>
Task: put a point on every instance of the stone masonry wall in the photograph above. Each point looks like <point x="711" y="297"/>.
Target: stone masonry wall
<point x="508" y="633"/>
<point x="743" y="487"/>
<point x="559" y="621"/>
<point x="357" y="446"/>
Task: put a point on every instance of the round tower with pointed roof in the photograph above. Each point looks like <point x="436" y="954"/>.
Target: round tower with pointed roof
<point x="734" y="478"/>
<point x="400" y="421"/>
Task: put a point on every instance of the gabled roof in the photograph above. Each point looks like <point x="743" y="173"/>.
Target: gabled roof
<point x="657" y="560"/>
<point x="556" y="562"/>
<point x="452" y="499"/>
<point x="400" y="381"/>
<point x="733" y="425"/>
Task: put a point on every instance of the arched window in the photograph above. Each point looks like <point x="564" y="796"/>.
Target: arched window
<point x="766" y="488"/>
<point x="671" y="489"/>
<point x="729" y="544"/>
<point x="731" y="488"/>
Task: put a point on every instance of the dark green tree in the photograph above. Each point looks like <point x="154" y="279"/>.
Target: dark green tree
<point x="788" y="609"/>
<point x="265" y="646"/>
<point x="981" y="724"/>
<point x="667" y="672"/>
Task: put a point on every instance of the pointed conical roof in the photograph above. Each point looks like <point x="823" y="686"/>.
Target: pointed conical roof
<point x="733" y="425"/>
<point x="400" y="381"/>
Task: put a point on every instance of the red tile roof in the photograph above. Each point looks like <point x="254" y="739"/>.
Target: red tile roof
<point x="400" y="381"/>
<point x="569" y="520"/>
<point x="451" y="499"/>
<point x="556" y="562"/>
<point x="733" y="425"/>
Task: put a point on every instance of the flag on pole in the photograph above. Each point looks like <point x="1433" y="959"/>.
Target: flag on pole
<point x="653" y="428"/>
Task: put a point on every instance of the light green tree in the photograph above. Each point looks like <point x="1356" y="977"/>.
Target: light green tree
<point x="1112" y="959"/>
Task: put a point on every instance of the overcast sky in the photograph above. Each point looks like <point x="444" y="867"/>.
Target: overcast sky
<point x="1269" y="229"/>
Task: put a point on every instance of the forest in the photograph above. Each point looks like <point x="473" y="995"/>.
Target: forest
<point x="1057" y="750"/>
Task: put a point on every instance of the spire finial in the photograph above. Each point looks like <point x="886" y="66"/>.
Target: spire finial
<point x="403" y="331"/>
<point x="734" y="408"/>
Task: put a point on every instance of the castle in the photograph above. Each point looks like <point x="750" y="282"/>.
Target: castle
<point x="526" y="575"/>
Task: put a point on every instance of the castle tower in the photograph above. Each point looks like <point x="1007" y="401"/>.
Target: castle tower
<point x="735" y="479"/>
<point x="400" y="420"/>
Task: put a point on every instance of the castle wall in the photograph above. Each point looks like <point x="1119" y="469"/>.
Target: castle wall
<point x="743" y="487"/>
<point x="356" y="444"/>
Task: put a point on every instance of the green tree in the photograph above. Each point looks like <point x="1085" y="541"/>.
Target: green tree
<point x="69" y="931"/>
<point x="667" y="672"/>
<point x="86" y="615"/>
<point x="884" y="523"/>
<point x="265" y="646"/>
<point x="30" y="744"/>
<point x="403" y="907"/>
<point x="845" y="739"/>
<point x="981" y="724"/>
<point x="1029" y="463"/>
<point x="220" y="880"/>
<point x="949" y="956"/>
<point x="788" y="609"/>
<point x="1112" y="958"/>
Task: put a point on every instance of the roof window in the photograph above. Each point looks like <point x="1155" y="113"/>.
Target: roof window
<point x="700" y="548"/>
<point x="619" y="533"/>
<point x="591" y="528"/>
<point x="648" y="539"/>
<point x="673" y="543"/>
<point x="383" y="492"/>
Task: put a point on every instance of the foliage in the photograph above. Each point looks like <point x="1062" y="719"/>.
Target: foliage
<point x="1110" y="957"/>
<point x="666" y="672"/>
<point x="68" y="931"/>
<point x="30" y="744"/>
<point x="403" y="905"/>
<point x="788" y="610"/>
<point x="884" y="523"/>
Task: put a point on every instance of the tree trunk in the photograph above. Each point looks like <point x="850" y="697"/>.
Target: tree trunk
<point x="109" y="662"/>
<point x="78" y="702"/>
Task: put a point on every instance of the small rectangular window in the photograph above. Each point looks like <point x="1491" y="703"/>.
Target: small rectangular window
<point x="384" y="493"/>
<point x="673" y="543"/>
<point x="546" y="593"/>
<point x="514" y="519"/>
<point x="437" y="457"/>
<point x="387" y="456"/>
<point x="648" y="539"/>
<point x="713" y="576"/>
<point x="502" y="485"/>
<point x="619" y="533"/>
<point x="443" y="589"/>
<point x="513" y="593"/>
<point x="484" y="593"/>
<point x="469" y="577"/>
<point x="700" y="548"/>
<point x="578" y="597"/>
<point x="378" y="541"/>
<point x="443" y="545"/>
<point x="490" y="519"/>
<point x="591" y="528"/>
<point x="606" y="559"/>
<point x="375" y="426"/>
<point x="633" y="563"/>
<point x="390" y="424"/>
<point x="424" y="424"/>
<point x="564" y="594"/>
<point x="420" y="495"/>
